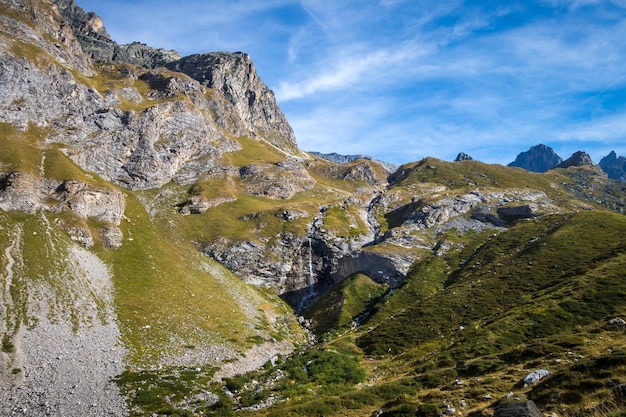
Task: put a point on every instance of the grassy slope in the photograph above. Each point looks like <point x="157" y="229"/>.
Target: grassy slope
<point x="537" y="296"/>
<point x="489" y="311"/>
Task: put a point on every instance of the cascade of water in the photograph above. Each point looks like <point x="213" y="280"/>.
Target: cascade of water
<point x="310" y="281"/>
<point x="310" y="269"/>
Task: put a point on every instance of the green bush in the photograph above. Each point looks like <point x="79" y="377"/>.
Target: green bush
<point x="324" y="368"/>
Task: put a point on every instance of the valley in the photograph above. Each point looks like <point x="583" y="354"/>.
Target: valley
<point x="167" y="249"/>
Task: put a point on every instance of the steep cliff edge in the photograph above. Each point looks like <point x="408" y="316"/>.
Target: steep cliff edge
<point x="95" y="41"/>
<point x="244" y="104"/>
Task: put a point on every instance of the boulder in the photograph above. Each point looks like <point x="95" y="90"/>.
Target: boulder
<point x="518" y="409"/>
<point x="535" y="376"/>
<point x="526" y="211"/>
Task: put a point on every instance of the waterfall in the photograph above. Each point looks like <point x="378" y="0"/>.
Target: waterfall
<point x="310" y="281"/>
<point x="310" y="269"/>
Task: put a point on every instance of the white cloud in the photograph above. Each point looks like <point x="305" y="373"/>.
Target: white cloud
<point x="345" y="72"/>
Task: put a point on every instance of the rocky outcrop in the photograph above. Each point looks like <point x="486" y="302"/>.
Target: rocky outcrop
<point x="136" y="137"/>
<point x="26" y="193"/>
<point x="539" y="158"/>
<point x="197" y="204"/>
<point x="234" y="76"/>
<point x="387" y="269"/>
<point x="518" y="409"/>
<point x="99" y="203"/>
<point x="278" y="181"/>
<point x="614" y="166"/>
<point x="30" y="194"/>
<point x="362" y="171"/>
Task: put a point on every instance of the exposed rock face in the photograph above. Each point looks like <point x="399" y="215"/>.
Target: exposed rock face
<point x="357" y="171"/>
<point x="539" y="158"/>
<point x="578" y="159"/>
<point x="257" y="263"/>
<point x="614" y="166"/>
<point x="100" y="203"/>
<point x="234" y="75"/>
<point x="30" y="194"/>
<point x="95" y="41"/>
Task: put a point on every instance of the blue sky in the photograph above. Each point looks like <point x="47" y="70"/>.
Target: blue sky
<point x="404" y="79"/>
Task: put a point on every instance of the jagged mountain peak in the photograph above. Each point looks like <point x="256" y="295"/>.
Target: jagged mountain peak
<point x="539" y="158"/>
<point x="91" y="33"/>
<point x="462" y="156"/>
<point x="578" y="159"/>
<point x="614" y="166"/>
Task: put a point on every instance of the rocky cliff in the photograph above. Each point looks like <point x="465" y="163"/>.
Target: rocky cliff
<point x="95" y="41"/>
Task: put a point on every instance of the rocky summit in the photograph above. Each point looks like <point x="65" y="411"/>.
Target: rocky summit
<point x="167" y="249"/>
<point x="539" y="158"/>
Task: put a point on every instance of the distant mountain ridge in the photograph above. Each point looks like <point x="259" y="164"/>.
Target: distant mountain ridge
<point x="542" y="158"/>
<point x="345" y="159"/>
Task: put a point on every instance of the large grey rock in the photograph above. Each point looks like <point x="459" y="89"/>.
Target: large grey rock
<point x="518" y="409"/>
<point x="100" y="203"/>
<point x="535" y="376"/>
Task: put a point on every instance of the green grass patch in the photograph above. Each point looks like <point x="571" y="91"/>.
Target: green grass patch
<point x="344" y="302"/>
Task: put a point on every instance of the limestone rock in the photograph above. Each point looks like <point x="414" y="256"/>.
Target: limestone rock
<point x="25" y="192"/>
<point x="618" y="321"/>
<point x="535" y="376"/>
<point x="444" y="209"/>
<point x="197" y="204"/>
<point x="234" y="76"/>
<point x="111" y="236"/>
<point x="362" y="171"/>
<point x="100" y="203"/>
